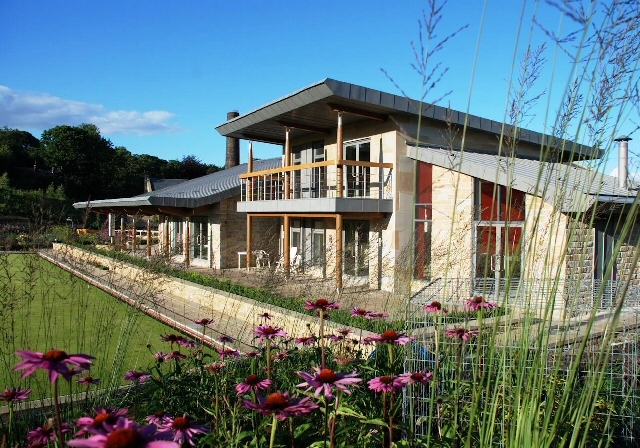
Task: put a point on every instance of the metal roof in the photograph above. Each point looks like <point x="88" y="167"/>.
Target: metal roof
<point x="570" y="188"/>
<point x="191" y="194"/>
<point x="159" y="184"/>
<point x="312" y="110"/>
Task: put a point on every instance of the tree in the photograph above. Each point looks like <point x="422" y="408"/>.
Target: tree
<point x="17" y="148"/>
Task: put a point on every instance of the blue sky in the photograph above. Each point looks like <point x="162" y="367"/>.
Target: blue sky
<point x="157" y="77"/>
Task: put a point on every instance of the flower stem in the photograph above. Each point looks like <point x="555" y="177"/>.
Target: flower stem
<point x="274" y="425"/>
<point x="322" y="339"/>
<point x="269" y="359"/>
<point x="56" y="406"/>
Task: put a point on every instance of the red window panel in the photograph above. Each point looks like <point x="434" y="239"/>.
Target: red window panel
<point x="424" y="183"/>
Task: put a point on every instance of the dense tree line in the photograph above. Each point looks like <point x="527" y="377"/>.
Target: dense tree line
<point x="76" y="163"/>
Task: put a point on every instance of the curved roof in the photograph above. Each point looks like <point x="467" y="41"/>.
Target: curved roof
<point x="184" y="198"/>
<point x="313" y="110"/>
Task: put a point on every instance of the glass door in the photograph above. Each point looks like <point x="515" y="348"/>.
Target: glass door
<point x="497" y="257"/>
<point x="357" y="177"/>
<point x="199" y="239"/>
<point x="356" y="248"/>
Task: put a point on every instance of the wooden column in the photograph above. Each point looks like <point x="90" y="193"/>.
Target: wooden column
<point x="149" y="238"/>
<point x="339" y="150"/>
<point x="187" y="242"/>
<point x="339" y="252"/>
<point x="286" y="244"/>
<point x="121" y="232"/>
<point x="287" y="162"/>
<point x="134" y="239"/>
<point x="250" y="180"/>
<point x="249" y="230"/>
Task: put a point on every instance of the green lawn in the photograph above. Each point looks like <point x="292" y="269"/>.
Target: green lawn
<point x="44" y="307"/>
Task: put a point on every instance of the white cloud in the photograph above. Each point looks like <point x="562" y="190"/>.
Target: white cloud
<point x="32" y="110"/>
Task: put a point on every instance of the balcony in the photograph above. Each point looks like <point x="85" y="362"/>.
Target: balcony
<point x="321" y="187"/>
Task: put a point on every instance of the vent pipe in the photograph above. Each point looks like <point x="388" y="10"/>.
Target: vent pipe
<point x="233" y="145"/>
<point x="623" y="160"/>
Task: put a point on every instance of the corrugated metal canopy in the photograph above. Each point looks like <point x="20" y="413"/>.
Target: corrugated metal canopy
<point x="185" y="197"/>
<point x="311" y="111"/>
<point x="571" y="188"/>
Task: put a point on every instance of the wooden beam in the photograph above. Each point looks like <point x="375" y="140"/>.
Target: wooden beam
<point x="149" y="238"/>
<point x="287" y="163"/>
<point x="261" y="138"/>
<point x="359" y="112"/>
<point x="249" y="229"/>
<point x="355" y="215"/>
<point x="286" y="244"/>
<point x="339" y="145"/>
<point x="338" y="252"/>
<point x="304" y="127"/>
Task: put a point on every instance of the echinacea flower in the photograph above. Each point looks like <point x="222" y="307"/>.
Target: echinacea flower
<point x="336" y="337"/>
<point x="103" y="421"/>
<point x="252" y="382"/>
<point x="253" y="355"/>
<point x="136" y="376"/>
<point x="391" y="337"/>
<point x="281" y="405"/>
<point x="45" y="434"/>
<point x="127" y="434"/>
<point x="460" y="333"/>
<point x="172" y="338"/>
<point x="281" y="355"/>
<point x="344" y="331"/>
<point x="269" y="332"/>
<point x="321" y="305"/>
<point x="306" y="340"/>
<point x="175" y="355"/>
<point x="421" y="377"/>
<point x="435" y="307"/>
<point x="386" y="384"/>
<point x="160" y="357"/>
<point x="15" y="394"/>
<point x="204" y="321"/>
<point x="373" y="316"/>
<point x="324" y="380"/>
<point x="358" y="312"/>
<point x="186" y="343"/>
<point x="55" y="361"/>
<point x="215" y="367"/>
<point x="226" y="339"/>
<point x="184" y="430"/>
<point x="476" y="303"/>
<point x="88" y="380"/>
<point x="228" y="353"/>
<point x="159" y="418"/>
<point x="266" y="316"/>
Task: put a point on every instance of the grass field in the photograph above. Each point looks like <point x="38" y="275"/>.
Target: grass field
<point x="44" y="307"/>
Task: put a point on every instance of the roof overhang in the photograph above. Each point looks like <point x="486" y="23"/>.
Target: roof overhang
<point x="318" y="205"/>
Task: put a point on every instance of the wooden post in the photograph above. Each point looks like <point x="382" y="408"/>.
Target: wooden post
<point x="187" y="242"/>
<point x="134" y="241"/>
<point x="287" y="161"/>
<point x="249" y="222"/>
<point x="285" y="246"/>
<point x="339" y="252"/>
<point x="121" y="232"/>
<point x="148" y="238"/>
<point x="167" y="234"/>
<point x="250" y="180"/>
<point x="339" y="149"/>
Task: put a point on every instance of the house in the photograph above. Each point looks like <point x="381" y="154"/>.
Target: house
<point x="198" y="223"/>
<point x="377" y="190"/>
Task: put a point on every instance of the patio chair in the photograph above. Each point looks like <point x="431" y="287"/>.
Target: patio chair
<point x="262" y="258"/>
<point x="294" y="261"/>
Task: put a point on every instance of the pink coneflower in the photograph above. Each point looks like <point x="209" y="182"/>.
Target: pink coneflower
<point x="421" y="377"/>
<point x="137" y="376"/>
<point x="306" y="340"/>
<point x="15" y="394"/>
<point x="187" y="343"/>
<point x="126" y="434"/>
<point x="373" y="316"/>
<point x="358" y="312"/>
<point x="226" y="339"/>
<point x="55" y="361"/>
<point x="160" y="357"/>
<point x="204" y="321"/>
<point x="172" y="338"/>
<point x="269" y="332"/>
<point x="215" y="367"/>
<point x="253" y="355"/>
<point x="159" y="418"/>
<point x="321" y="305"/>
<point x="185" y="430"/>
<point x="324" y="380"/>
<point x="344" y="331"/>
<point x="281" y="405"/>
<point x="266" y="316"/>
<point x="252" y="382"/>
<point x="228" y="353"/>
<point x="43" y="435"/>
<point x="435" y="307"/>
<point x="102" y="422"/>
<point x="281" y="355"/>
<point x="478" y="302"/>
<point x="88" y="380"/>
<point x="336" y="337"/>
<point x="175" y="355"/>
<point x="461" y="333"/>
<point x="391" y="337"/>
<point x="385" y="384"/>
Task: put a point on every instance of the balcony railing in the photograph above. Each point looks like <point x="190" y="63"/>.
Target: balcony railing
<point x="320" y="180"/>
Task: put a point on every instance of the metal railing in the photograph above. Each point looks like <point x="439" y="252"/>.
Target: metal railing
<point x="319" y="180"/>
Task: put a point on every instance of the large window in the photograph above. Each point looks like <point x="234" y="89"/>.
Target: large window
<point x="309" y="183"/>
<point x="358" y="177"/>
<point x="200" y="238"/>
<point x="422" y="218"/>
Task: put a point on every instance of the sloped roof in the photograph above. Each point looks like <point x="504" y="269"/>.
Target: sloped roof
<point x="312" y="111"/>
<point x="570" y="188"/>
<point x="191" y="194"/>
<point x="159" y="184"/>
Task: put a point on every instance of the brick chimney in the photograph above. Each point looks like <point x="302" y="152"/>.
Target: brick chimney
<point x="233" y="145"/>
